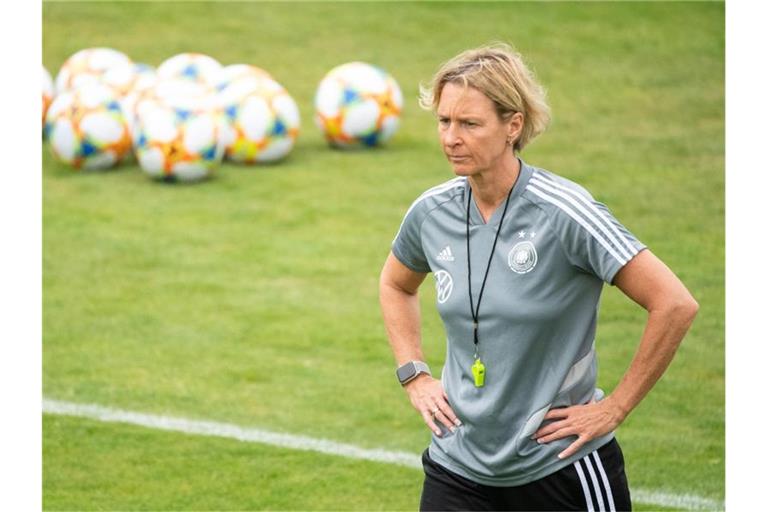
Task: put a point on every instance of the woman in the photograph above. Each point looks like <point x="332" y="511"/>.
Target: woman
<point x="519" y="256"/>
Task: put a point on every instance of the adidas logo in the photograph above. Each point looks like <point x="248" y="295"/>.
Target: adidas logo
<point x="445" y="254"/>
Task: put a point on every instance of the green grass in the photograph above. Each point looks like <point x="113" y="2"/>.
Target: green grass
<point x="194" y="473"/>
<point x="243" y="299"/>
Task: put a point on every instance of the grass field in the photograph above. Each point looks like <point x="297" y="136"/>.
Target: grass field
<point x="252" y="298"/>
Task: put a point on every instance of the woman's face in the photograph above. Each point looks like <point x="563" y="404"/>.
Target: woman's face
<point x="473" y="136"/>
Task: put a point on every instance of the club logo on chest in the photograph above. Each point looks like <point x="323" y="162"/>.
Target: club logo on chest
<point x="523" y="257"/>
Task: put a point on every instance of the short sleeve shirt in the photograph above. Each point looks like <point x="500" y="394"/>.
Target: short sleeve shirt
<point x="537" y="321"/>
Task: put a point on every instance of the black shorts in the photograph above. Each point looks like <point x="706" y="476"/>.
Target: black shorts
<point x="595" y="483"/>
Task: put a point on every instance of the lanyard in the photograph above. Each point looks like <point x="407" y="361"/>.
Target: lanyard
<point x="478" y="368"/>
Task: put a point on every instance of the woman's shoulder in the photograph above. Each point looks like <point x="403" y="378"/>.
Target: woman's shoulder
<point x="563" y="201"/>
<point x="549" y="183"/>
<point x="447" y="188"/>
<point x="439" y="194"/>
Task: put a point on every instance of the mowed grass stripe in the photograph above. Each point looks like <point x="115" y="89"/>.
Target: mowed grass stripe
<point x="305" y="443"/>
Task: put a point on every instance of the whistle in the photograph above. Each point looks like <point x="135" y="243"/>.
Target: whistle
<point x="478" y="371"/>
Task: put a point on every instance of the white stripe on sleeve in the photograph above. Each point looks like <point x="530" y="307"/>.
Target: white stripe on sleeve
<point x="429" y="193"/>
<point x="584" y="486"/>
<point x="627" y="244"/>
<point x="580" y="220"/>
<point x="600" y="223"/>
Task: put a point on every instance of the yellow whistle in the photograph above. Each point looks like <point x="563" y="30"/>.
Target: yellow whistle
<point x="478" y="370"/>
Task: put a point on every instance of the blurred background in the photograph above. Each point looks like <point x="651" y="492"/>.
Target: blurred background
<point x="251" y="298"/>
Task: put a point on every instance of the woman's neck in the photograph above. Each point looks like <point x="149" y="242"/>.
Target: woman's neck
<point x="490" y="188"/>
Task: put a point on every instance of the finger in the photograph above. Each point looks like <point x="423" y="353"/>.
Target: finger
<point x="573" y="448"/>
<point x="442" y="418"/>
<point x="548" y="429"/>
<point x="429" y="420"/>
<point x="559" y="434"/>
<point x="438" y="413"/>
<point x="448" y="412"/>
<point x="560" y="412"/>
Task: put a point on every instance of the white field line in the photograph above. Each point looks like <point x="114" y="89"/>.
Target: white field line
<point x="254" y="435"/>
<point x="228" y="430"/>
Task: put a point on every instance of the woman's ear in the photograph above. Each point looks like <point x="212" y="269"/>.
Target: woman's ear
<point x="515" y="127"/>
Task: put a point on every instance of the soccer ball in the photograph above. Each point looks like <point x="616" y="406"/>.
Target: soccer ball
<point x="129" y="77"/>
<point x="178" y="93"/>
<point x="263" y="120"/>
<point x="86" y="128"/>
<point x="129" y="81"/>
<point x="239" y="72"/>
<point x="195" y="67"/>
<point x="177" y="131"/>
<point x="358" y="104"/>
<point x="47" y="92"/>
<point x="87" y="66"/>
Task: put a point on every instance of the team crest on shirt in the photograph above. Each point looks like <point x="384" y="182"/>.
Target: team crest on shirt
<point x="444" y="284"/>
<point x="523" y="257"/>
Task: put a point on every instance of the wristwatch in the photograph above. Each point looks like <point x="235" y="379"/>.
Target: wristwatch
<point x="411" y="370"/>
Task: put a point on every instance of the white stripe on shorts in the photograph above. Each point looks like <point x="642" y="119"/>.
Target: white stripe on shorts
<point x="606" y="482"/>
<point x="584" y="486"/>
<point x="595" y="483"/>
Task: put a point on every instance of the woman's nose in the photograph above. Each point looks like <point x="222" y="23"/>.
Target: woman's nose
<point x="450" y="136"/>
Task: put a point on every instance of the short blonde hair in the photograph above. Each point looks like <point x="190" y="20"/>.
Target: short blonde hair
<point x="498" y="71"/>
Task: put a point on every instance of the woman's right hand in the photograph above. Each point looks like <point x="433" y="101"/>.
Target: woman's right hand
<point x="428" y="397"/>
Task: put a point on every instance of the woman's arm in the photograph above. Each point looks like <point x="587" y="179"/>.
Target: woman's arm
<point x="398" y="294"/>
<point x="671" y="310"/>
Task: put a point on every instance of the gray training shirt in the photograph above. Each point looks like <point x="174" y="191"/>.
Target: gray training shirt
<point x="537" y="317"/>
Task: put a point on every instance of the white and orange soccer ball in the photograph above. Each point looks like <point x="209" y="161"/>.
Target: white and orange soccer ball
<point x="247" y="73"/>
<point x="263" y="120"/>
<point x="129" y="81"/>
<point x="87" y="66"/>
<point x="177" y="131"/>
<point x="358" y="105"/>
<point x="129" y="77"/>
<point x="47" y="92"/>
<point x="86" y="128"/>
<point x="195" y="67"/>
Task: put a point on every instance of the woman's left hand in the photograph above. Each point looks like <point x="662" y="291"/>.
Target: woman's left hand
<point x="587" y="422"/>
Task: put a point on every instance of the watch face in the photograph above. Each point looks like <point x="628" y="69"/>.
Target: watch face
<point x="406" y="371"/>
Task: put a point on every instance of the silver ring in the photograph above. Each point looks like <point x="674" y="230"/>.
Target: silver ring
<point x="437" y="410"/>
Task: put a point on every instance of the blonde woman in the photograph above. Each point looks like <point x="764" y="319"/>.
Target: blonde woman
<point x="520" y="256"/>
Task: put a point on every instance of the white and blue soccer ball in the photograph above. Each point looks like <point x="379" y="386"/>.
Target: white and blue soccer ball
<point x="233" y="73"/>
<point x="129" y="77"/>
<point x="358" y="105"/>
<point x="129" y="81"/>
<point x="87" y="66"/>
<point x="195" y="67"/>
<point x="262" y="120"/>
<point x="86" y="128"/>
<point x="177" y="131"/>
